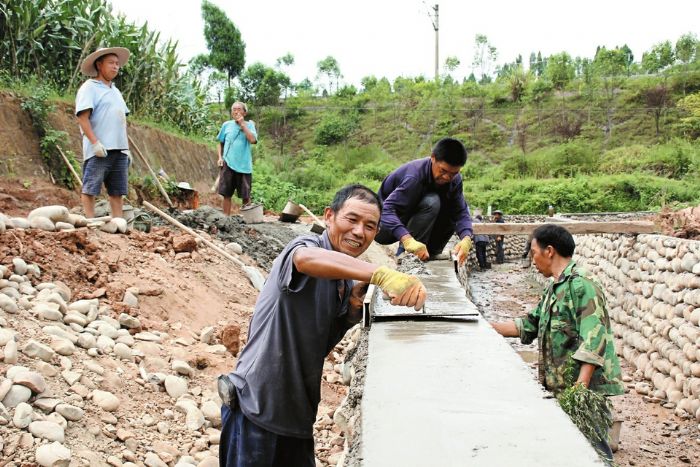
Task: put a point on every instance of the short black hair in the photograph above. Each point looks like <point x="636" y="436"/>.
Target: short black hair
<point x="450" y="150"/>
<point x="557" y="236"/>
<point x="358" y="191"/>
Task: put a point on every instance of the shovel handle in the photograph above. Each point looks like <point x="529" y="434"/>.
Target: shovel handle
<point x="318" y="221"/>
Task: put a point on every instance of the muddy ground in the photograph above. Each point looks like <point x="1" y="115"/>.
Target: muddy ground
<point x="651" y="434"/>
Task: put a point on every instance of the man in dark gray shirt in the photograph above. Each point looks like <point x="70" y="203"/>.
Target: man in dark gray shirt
<point x="307" y="304"/>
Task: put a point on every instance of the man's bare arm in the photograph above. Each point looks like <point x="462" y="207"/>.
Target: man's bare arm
<point x="506" y="329"/>
<point x="84" y="123"/>
<point x="325" y="264"/>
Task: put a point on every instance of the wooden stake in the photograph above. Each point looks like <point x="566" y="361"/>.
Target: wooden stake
<point x="70" y="166"/>
<point x="253" y="274"/>
<point x="153" y="174"/>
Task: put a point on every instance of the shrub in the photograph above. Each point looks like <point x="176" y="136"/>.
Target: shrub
<point x="334" y="129"/>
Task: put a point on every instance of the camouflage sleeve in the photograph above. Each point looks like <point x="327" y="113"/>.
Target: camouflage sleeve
<point x="528" y="325"/>
<point x="592" y="315"/>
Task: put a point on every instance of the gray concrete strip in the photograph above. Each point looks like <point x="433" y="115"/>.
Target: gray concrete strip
<point x="455" y="394"/>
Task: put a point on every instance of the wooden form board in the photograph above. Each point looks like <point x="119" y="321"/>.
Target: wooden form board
<point x="623" y="227"/>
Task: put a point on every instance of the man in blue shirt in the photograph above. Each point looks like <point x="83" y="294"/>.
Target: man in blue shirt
<point x="235" y="156"/>
<point x="424" y="204"/>
<point x="308" y="302"/>
<point x="101" y="113"/>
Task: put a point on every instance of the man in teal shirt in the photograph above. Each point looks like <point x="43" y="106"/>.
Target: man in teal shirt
<point x="235" y="156"/>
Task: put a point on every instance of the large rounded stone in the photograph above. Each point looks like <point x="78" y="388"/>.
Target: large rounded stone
<point x="35" y="349"/>
<point x="16" y="395"/>
<point x="53" y="455"/>
<point x="23" y="415"/>
<point x="47" y="430"/>
<point x="62" y="346"/>
<point x="11" y="352"/>
<point x="105" y="400"/>
<point x="6" y="335"/>
<point x="175" y="386"/>
<point x="212" y="412"/>
<point x="87" y="341"/>
<point x="70" y="412"/>
<point x="123" y="351"/>
<point x="32" y="380"/>
<point x="20" y="266"/>
<point x="182" y="367"/>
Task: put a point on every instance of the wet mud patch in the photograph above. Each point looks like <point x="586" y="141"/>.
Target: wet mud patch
<point x="262" y="242"/>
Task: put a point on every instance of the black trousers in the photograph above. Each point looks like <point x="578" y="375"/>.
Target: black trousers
<point x="500" y="253"/>
<point x="427" y="223"/>
<point x="481" y="253"/>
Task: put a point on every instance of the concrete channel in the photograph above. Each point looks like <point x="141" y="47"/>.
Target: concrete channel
<point x="448" y="390"/>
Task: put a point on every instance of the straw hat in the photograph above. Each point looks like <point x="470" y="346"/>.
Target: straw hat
<point x="88" y="65"/>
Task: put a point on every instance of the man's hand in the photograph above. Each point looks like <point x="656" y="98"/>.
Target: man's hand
<point x="404" y="290"/>
<point x="98" y="149"/>
<point x="220" y="162"/>
<point x="415" y="247"/>
<point x="462" y="249"/>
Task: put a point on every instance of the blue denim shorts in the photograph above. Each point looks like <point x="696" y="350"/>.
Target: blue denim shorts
<point x="112" y="170"/>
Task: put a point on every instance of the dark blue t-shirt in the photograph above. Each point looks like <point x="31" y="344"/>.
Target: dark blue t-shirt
<point x="297" y="321"/>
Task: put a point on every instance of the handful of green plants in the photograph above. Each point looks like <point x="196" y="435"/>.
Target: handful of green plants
<point x="590" y="411"/>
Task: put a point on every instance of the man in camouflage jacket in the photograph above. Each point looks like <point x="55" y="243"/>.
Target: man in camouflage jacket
<point x="571" y="322"/>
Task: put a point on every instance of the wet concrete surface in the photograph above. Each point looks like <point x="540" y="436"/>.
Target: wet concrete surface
<point x="455" y="393"/>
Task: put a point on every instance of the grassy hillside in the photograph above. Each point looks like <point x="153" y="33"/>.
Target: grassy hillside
<point x="579" y="148"/>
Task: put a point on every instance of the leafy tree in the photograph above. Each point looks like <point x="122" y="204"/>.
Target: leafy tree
<point x="451" y="64"/>
<point x="656" y="101"/>
<point x="533" y="64"/>
<point x="540" y="64"/>
<point x="560" y="70"/>
<point x="369" y="82"/>
<point x="329" y="67"/>
<point x="629" y="57"/>
<point x="285" y="60"/>
<point x="690" y="124"/>
<point x="485" y="56"/>
<point x="262" y="85"/>
<point x="305" y="86"/>
<point x="686" y="47"/>
<point x="199" y="64"/>
<point x="659" y="57"/>
<point x="518" y="79"/>
<point x="610" y="66"/>
<point x="223" y="39"/>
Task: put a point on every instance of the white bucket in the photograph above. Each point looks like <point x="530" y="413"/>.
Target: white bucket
<point x="252" y="214"/>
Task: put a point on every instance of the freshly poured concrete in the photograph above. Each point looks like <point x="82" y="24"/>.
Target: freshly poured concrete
<point x="456" y="394"/>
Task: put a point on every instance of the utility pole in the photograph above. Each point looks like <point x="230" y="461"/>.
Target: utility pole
<point x="435" y="19"/>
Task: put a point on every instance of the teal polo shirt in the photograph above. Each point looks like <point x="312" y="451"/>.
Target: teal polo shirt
<point x="237" y="149"/>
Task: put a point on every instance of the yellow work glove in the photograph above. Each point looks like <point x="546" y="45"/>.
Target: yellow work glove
<point x="403" y="289"/>
<point x="462" y="249"/>
<point x="417" y="248"/>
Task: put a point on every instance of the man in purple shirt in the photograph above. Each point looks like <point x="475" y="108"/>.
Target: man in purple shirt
<point x="424" y="204"/>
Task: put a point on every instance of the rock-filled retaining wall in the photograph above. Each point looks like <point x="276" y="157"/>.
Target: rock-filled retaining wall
<point x="653" y="290"/>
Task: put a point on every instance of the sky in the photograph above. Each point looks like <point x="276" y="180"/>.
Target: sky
<point x="390" y="38"/>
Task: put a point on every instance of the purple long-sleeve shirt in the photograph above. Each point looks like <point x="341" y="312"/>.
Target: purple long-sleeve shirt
<point x="402" y="190"/>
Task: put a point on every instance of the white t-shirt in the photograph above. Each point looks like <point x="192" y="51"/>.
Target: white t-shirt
<point x="108" y="117"/>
